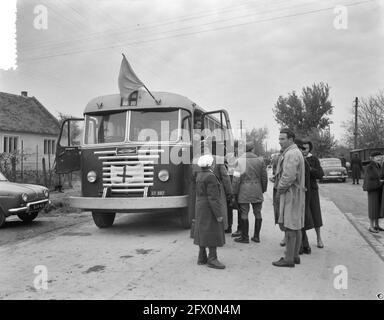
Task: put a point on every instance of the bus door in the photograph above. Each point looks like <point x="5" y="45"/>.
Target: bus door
<point x="225" y="142"/>
<point x="69" y="146"/>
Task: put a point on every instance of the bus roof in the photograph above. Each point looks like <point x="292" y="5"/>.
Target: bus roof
<point x="113" y="101"/>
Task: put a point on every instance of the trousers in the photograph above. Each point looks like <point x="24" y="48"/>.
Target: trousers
<point x="293" y="238"/>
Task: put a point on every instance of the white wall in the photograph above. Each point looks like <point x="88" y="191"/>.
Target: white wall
<point x="32" y="154"/>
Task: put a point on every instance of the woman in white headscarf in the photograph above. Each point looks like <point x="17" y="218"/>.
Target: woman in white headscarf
<point x="209" y="227"/>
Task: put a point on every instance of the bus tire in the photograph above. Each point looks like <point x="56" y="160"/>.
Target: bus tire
<point x="28" y="217"/>
<point x="186" y="218"/>
<point x="103" y="220"/>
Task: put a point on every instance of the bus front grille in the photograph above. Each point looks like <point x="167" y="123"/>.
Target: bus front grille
<point x="128" y="173"/>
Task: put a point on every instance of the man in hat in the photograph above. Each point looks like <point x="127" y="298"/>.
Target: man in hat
<point x="250" y="182"/>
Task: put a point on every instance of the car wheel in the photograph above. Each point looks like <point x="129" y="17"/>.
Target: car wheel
<point x="103" y="219"/>
<point x="2" y="218"/>
<point x="28" y="217"/>
<point x="343" y="180"/>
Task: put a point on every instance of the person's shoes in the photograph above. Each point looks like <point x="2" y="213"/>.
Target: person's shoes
<point x="353" y="183"/>
<point x="320" y="244"/>
<point x="372" y="230"/>
<point x="202" y="257"/>
<point x="236" y="234"/>
<point x="216" y="264"/>
<point x="282" y="243"/>
<point x="255" y="239"/>
<point x="242" y="240"/>
<point x="296" y="260"/>
<point x="256" y="233"/>
<point x="229" y="230"/>
<point x="379" y="228"/>
<point x="307" y="250"/>
<point x="283" y="263"/>
<point x="301" y="250"/>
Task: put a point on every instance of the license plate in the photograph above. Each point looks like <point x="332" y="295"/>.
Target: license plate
<point x="37" y="206"/>
<point x="334" y="173"/>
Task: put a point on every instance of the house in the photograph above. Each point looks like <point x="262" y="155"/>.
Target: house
<point x="27" y="128"/>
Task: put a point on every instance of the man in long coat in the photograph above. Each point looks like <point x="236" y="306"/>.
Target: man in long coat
<point x="356" y="168"/>
<point x="290" y="185"/>
<point x="250" y="182"/>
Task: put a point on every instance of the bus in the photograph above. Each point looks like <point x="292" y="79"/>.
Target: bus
<point x="137" y="155"/>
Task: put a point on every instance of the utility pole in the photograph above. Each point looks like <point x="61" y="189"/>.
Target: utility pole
<point x="355" y="133"/>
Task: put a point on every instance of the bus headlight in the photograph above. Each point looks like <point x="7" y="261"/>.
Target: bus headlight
<point x="91" y="176"/>
<point x="46" y="193"/>
<point x="163" y="175"/>
<point x="24" y="196"/>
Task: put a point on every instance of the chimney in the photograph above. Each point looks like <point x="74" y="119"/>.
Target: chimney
<point x="24" y="93"/>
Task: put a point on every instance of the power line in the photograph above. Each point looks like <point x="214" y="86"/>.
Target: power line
<point x="97" y="35"/>
<point x="193" y="33"/>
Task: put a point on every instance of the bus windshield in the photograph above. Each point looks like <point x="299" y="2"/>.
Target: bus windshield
<point x="105" y="128"/>
<point x="154" y="125"/>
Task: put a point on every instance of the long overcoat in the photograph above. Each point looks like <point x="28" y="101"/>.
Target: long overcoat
<point x="374" y="188"/>
<point x="221" y="172"/>
<point x="290" y="182"/>
<point x="316" y="172"/>
<point x="208" y="232"/>
<point x="308" y="221"/>
<point x="356" y="168"/>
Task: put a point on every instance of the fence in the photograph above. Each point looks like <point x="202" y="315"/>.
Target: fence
<point x="34" y="168"/>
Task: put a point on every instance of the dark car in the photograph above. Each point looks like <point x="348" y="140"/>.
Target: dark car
<point x="333" y="170"/>
<point x="23" y="200"/>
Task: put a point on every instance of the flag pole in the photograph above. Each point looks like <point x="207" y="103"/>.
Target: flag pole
<point x="158" y="102"/>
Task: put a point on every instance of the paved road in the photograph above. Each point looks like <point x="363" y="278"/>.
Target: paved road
<point x="352" y="202"/>
<point x="148" y="256"/>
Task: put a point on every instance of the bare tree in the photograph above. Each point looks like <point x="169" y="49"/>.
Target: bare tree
<point x="370" y="119"/>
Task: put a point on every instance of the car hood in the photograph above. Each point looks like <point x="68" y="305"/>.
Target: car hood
<point x="30" y="189"/>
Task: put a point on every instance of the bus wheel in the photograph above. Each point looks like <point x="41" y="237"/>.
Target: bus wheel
<point x="28" y="217"/>
<point x="103" y="220"/>
<point x="185" y="218"/>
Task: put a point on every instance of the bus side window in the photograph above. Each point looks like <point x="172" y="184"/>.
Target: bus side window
<point x="185" y="126"/>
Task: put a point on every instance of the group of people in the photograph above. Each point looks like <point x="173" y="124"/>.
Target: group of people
<point x="296" y="199"/>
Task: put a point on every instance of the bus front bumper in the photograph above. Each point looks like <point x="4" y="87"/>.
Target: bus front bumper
<point x="128" y="204"/>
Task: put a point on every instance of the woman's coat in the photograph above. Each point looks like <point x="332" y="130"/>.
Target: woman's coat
<point x="209" y="206"/>
<point x="373" y="185"/>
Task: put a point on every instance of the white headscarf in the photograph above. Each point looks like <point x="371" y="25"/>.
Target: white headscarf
<point x="205" y="161"/>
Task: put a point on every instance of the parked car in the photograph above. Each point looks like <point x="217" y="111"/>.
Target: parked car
<point x="23" y="200"/>
<point x="333" y="170"/>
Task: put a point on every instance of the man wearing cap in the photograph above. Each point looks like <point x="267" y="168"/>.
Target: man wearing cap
<point x="250" y="182"/>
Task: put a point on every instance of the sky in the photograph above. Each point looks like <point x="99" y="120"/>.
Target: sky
<point x="239" y="55"/>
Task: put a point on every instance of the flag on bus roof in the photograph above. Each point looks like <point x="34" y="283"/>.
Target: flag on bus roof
<point x="128" y="80"/>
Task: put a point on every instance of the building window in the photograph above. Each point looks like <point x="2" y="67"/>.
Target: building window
<point x="49" y="146"/>
<point x="10" y="144"/>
